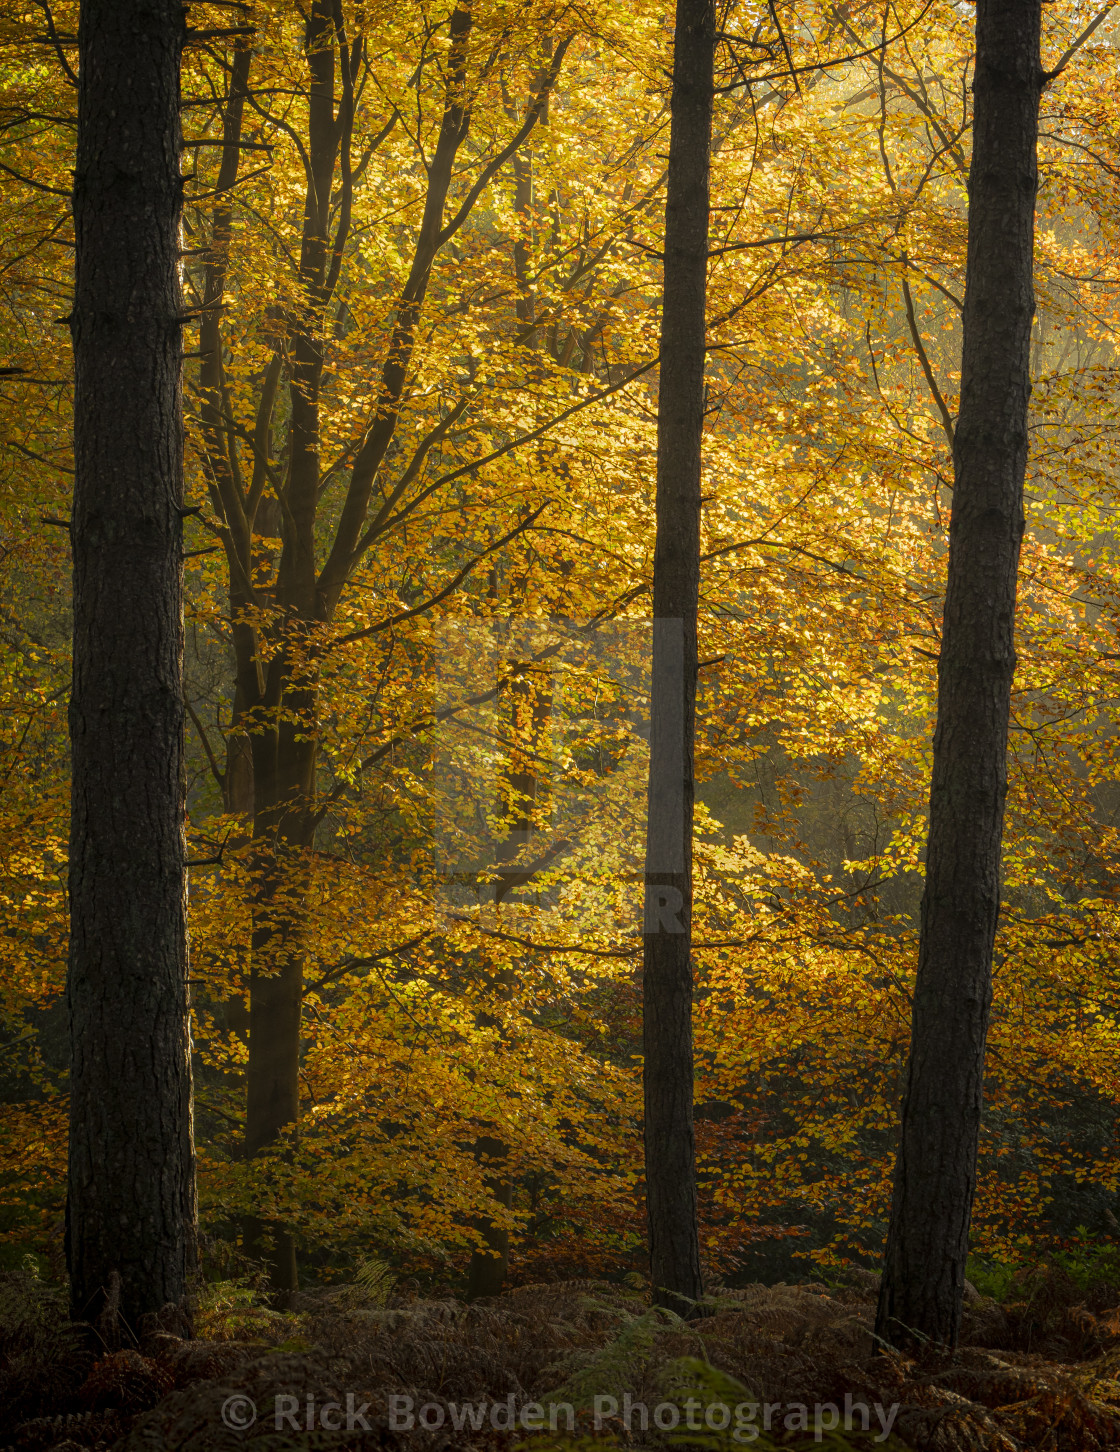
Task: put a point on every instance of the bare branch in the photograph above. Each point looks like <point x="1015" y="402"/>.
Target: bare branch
<point x="927" y="369"/>
<point x="449" y="588"/>
<point x="1097" y="20"/>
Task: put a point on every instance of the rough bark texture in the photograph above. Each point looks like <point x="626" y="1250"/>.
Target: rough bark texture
<point x="935" y="1178"/>
<point x="667" y="993"/>
<point x="131" y="1209"/>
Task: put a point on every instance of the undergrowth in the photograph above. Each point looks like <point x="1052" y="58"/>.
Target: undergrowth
<point x="1041" y="1369"/>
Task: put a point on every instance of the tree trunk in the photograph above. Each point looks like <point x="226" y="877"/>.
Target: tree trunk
<point x="284" y="752"/>
<point x="486" y="1274"/>
<point x="524" y="795"/>
<point x="935" y="1176"/>
<point x="667" y="993"/>
<point x="284" y="829"/>
<point x="131" y="1204"/>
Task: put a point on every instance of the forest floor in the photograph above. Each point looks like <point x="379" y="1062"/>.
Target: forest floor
<point x="1038" y="1372"/>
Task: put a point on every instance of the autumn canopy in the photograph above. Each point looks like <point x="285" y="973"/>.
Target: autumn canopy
<point x="421" y="265"/>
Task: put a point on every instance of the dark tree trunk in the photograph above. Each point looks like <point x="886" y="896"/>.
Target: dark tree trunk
<point x="667" y="993"/>
<point x="486" y="1274"/>
<point x="525" y="792"/>
<point x="237" y="780"/>
<point x="285" y="752"/>
<point x="284" y="829"/>
<point x="935" y="1177"/>
<point x="131" y="1206"/>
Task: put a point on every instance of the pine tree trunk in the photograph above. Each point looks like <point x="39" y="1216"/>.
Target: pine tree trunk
<point x="131" y="1207"/>
<point x="667" y="945"/>
<point x="935" y="1177"/>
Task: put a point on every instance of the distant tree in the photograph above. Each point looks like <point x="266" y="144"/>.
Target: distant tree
<point x="935" y="1176"/>
<point x="667" y="957"/>
<point x="131" y="1204"/>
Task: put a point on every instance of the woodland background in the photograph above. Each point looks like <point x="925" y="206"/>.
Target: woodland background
<point x="465" y="886"/>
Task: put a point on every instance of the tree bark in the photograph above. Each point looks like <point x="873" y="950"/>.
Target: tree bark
<point x="935" y="1176"/>
<point x="670" y="1149"/>
<point x="131" y="1202"/>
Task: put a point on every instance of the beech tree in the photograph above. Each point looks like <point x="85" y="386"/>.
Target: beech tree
<point x="131" y="1205"/>
<point x="273" y="754"/>
<point x="667" y="942"/>
<point x="935" y="1176"/>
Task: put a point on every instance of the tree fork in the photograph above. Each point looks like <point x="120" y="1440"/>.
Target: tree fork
<point x="935" y="1177"/>
<point x="130" y="1234"/>
<point x="670" y="1147"/>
